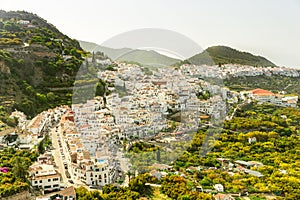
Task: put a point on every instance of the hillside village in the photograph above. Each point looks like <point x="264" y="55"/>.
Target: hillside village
<point x="84" y="121"/>
<point x="88" y="139"/>
<point x="236" y="70"/>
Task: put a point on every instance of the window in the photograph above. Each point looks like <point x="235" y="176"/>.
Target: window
<point x="41" y="181"/>
<point x="56" y="185"/>
<point x="55" y="179"/>
<point x="49" y="179"/>
<point x="47" y="186"/>
<point x="35" y="182"/>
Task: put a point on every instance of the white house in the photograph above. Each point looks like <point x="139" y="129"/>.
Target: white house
<point x="44" y="176"/>
<point x="219" y="187"/>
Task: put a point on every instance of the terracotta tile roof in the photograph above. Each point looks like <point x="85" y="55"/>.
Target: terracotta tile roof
<point x="261" y="92"/>
<point x="36" y="178"/>
<point x="220" y="196"/>
<point x="70" y="191"/>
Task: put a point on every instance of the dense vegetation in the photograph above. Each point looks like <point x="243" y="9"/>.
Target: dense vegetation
<point x="173" y="186"/>
<point x="138" y="147"/>
<point x="226" y="55"/>
<point x="5" y="120"/>
<point x="18" y="162"/>
<point x="277" y="132"/>
<point x="135" y="190"/>
<point x="38" y="64"/>
<point x="184" y="189"/>
<point x="273" y="83"/>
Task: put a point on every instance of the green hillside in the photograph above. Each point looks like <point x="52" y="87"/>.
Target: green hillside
<point x="144" y="57"/>
<point x="38" y="64"/>
<point x="225" y="55"/>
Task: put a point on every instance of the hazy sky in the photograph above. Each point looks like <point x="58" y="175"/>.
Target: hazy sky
<point x="270" y="28"/>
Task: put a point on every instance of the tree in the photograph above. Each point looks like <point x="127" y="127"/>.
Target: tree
<point x="129" y="174"/>
<point x="109" y="188"/>
<point x="1" y="25"/>
<point x="34" y="22"/>
<point x="100" y="89"/>
<point x="50" y="96"/>
<point x="19" y="168"/>
<point x="41" y="148"/>
<point x="10" y="26"/>
<point x="41" y="98"/>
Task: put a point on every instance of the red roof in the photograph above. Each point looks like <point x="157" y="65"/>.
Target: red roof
<point x="261" y="92"/>
<point x="220" y="196"/>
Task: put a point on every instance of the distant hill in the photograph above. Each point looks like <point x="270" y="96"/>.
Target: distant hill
<point x="145" y="57"/>
<point x="211" y="56"/>
<point x="225" y="55"/>
<point x="110" y="52"/>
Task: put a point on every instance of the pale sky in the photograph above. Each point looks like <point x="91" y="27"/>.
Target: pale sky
<point x="270" y="28"/>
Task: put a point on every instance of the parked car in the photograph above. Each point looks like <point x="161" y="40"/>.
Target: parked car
<point x="94" y="187"/>
<point x="68" y="175"/>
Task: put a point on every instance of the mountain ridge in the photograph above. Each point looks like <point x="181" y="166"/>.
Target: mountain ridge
<point x="144" y="57"/>
<point x="213" y="55"/>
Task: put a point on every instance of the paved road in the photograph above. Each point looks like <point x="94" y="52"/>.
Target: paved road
<point x="124" y="167"/>
<point x="57" y="156"/>
<point x="57" y="135"/>
<point x="73" y="87"/>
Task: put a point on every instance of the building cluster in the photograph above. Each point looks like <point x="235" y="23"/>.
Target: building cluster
<point x="43" y="175"/>
<point x="30" y="132"/>
<point x="138" y="108"/>
<point x="21" y="117"/>
<point x="236" y="70"/>
<point x="265" y="96"/>
<point x="96" y="170"/>
<point x="150" y="97"/>
<point x="26" y="23"/>
<point x="141" y="103"/>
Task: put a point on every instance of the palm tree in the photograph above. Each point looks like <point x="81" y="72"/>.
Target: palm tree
<point x="19" y="168"/>
<point x="129" y="174"/>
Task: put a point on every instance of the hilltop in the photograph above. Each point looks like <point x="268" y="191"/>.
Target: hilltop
<point x="38" y="64"/>
<point x="144" y="57"/>
<point x="227" y="55"/>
